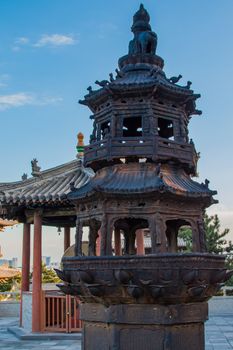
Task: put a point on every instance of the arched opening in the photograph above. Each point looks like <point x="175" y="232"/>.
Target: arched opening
<point x="185" y="239"/>
<point x="165" y="128"/>
<point x="132" y="127"/>
<point x="129" y="236"/>
<point x="179" y="236"/>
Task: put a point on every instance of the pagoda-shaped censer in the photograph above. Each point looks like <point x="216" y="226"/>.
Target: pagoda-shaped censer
<point x="144" y="161"/>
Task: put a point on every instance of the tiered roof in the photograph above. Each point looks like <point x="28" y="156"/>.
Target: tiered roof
<point x="49" y="187"/>
<point x="136" y="178"/>
<point x="6" y="272"/>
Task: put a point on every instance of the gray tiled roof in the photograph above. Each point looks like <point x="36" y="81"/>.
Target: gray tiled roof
<point x="136" y="178"/>
<point x="144" y="78"/>
<point x="49" y="186"/>
<point x="136" y="80"/>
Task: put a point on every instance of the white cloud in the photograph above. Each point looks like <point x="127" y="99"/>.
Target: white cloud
<point x="23" y="99"/>
<point x="14" y="100"/>
<point x="22" y="40"/>
<point x="46" y="40"/>
<point x="19" y="42"/>
<point x="55" y="40"/>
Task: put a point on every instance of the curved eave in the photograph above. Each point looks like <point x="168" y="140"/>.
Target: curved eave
<point x="50" y="188"/>
<point x="130" y="185"/>
<point x="159" y="193"/>
<point x="35" y="202"/>
<point x="175" y="92"/>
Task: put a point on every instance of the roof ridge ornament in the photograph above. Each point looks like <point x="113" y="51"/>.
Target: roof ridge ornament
<point x="24" y="177"/>
<point x="80" y="146"/>
<point x="145" y="40"/>
<point x="35" y="168"/>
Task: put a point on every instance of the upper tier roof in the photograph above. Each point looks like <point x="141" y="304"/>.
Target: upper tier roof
<point x="146" y="78"/>
<point x="141" y="71"/>
<point x="49" y="186"/>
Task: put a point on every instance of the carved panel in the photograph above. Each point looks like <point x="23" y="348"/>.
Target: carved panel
<point x="141" y="338"/>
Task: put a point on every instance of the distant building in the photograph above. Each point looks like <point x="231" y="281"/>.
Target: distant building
<point x="46" y="260"/>
<point x="4" y="262"/>
<point x="13" y="263"/>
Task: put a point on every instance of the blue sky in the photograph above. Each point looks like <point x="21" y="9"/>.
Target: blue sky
<point x="51" y="51"/>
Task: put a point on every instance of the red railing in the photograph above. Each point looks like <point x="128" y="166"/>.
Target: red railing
<point x="60" y="313"/>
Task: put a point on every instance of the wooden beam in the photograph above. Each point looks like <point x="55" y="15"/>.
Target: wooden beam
<point x="51" y="213"/>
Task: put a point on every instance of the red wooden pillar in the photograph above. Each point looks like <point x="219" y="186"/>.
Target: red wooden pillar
<point x="66" y="238"/>
<point x="140" y="242"/>
<point x="25" y="265"/>
<point x="117" y="240"/>
<point x="36" y="281"/>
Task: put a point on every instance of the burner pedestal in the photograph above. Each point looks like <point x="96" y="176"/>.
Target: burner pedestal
<point x="140" y="327"/>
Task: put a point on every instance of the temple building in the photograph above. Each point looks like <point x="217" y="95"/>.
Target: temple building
<point x="41" y="200"/>
<point x="7" y="273"/>
<point x="133" y="187"/>
<point x="6" y="223"/>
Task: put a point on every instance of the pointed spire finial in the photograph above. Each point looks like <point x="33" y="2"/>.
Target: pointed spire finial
<point x="80" y="146"/>
<point x="141" y="20"/>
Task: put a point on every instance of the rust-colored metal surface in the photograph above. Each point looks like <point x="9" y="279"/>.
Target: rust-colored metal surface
<point x="162" y="279"/>
<point x="144" y="162"/>
<point x="154" y="327"/>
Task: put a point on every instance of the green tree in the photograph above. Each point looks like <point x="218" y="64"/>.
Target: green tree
<point x="49" y="275"/>
<point x="10" y="284"/>
<point x="216" y="241"/>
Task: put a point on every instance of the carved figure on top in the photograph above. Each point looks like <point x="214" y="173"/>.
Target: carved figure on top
<point x="119" y="74"/>
<point x="35" y="167"/>
<point x="175" y="80"/>
<point x="90" y="89"/>
<point x="111" y="78"/>
<point x="24" y="177"/>
<point x="188" y="86"/>
<point x="145" y="40"/>
<point x="102" y="83"/>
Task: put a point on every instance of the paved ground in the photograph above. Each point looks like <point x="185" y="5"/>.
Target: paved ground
<point x="219" y="336"/>
<point x="9" y="342"/>
<point x="219" y="333"/>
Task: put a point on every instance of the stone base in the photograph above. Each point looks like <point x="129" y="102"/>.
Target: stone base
<point x="143" y="327"/>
